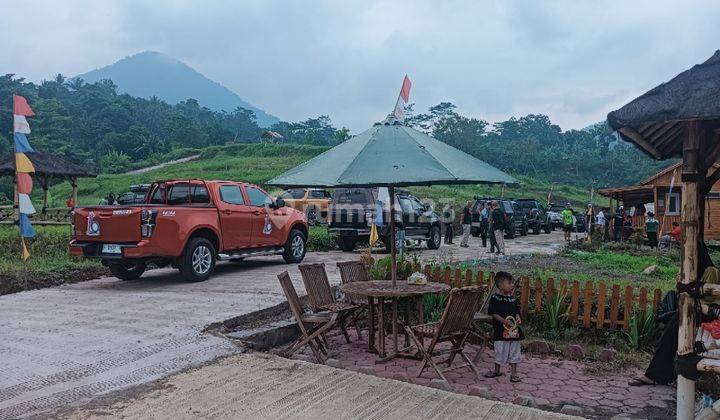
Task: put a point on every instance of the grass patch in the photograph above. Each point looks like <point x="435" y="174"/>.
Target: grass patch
<point x="321" y="240"/>
<point x="49" y="263"/>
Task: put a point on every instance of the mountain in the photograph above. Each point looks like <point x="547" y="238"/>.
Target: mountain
<point x="151" y="73"/>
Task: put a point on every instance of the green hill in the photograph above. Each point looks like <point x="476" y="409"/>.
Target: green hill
<point x="257" y="163"/>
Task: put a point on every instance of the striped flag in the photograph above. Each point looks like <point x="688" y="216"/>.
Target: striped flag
<point x="23" y="169"/>
<point x="403" y="98"/>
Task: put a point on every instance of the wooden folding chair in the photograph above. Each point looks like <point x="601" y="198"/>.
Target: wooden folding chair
<point x="311" y="326"/>
<point x="482" y="317"/>
<point x="321" y="296"/>
<point x="453" y="327"/>
<point x="352" y="271"/>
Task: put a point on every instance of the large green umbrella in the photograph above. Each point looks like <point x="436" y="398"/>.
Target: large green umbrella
<point x="391" y="155"/>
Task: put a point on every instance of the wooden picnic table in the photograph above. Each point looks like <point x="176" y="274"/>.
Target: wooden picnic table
<point x="376" y="292"/>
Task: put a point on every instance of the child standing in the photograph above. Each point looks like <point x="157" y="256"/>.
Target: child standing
<point x="505" y="311"/>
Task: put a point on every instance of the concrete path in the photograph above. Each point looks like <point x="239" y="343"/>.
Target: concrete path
<point x="260" y="386"/>
<point x="68" y="344"/>
<point x="162" y="165"/>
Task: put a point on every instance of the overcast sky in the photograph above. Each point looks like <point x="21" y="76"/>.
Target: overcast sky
<point x="573" y="60"/>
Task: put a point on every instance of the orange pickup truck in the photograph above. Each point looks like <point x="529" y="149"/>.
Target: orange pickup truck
<point x="189" y="224"/>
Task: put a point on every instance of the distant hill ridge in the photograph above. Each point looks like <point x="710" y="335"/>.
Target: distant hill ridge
<point x="152" y="73"/>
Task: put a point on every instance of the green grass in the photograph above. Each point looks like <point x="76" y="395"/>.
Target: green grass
<point x="257" y="163"/>
<point x="48" y="251"/>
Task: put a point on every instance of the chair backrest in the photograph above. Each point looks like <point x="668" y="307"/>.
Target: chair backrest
<point x="352" y="271"/>
<point x="292" y="297"/>
<point x="317" y="285"/>
<point x="459" y="311"/>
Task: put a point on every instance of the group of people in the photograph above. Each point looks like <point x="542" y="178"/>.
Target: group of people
<point x="623" y="226"/>
<point x="492" y="225"/>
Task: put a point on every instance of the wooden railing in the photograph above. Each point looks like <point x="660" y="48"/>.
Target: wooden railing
<point x="593" y="305"/>
<point x="47" y="216"/>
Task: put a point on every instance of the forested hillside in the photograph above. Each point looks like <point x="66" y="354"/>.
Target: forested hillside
<point x="92" y="125"/>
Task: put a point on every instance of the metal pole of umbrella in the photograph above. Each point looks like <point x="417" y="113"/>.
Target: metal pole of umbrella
<point x="393" y="265"/>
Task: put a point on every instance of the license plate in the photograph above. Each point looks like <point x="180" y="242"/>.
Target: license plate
<point x="111" y="249"/>
<point x="476" y="224"/>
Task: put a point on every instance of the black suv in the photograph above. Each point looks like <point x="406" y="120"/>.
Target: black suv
<point x="352" y="211"/>
<point x="136" y="195"/>
<point x="515" y="221"/>
<point x="536" y="214"/>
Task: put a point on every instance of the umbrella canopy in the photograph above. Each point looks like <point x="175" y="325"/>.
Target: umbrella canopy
<point x="391" y="154"/>
<point x="654" y="121"/>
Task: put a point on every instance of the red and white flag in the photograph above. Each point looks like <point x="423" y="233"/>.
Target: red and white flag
<point x="403" y="98"/>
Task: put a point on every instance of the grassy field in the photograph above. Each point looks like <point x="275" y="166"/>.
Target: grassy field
<point x="257" y="163"/>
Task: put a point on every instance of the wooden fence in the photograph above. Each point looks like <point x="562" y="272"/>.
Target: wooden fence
<point x="592" y="305"/>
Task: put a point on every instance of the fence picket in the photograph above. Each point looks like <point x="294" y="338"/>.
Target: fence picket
<point x="538" y="297"/>
<point x="614" y="305"/>
<point x="524" y="296"/>
<point x="481" y="278"/>
<point x="642" y="304"/>
<point x="575" y="302"/>
<point x="587" y="313"/>
<point x="657" y="296"/>
<point x="550" y="288"/>
<point x="436" y="274"/>
<point x="446" y="276"/>
<point x="628" y="307"/>
<point x="600" y="315"/>
<point x="468" y="277"/>
<point x="563" y="287"/>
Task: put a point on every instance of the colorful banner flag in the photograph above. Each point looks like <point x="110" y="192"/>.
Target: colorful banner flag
<point x="25" y="205"/>
<point x="24" y="183"/>
<point x="21" y="107"/>
<point x="402" y="99"/>
<point x="26" y="228"/>
<point x="23" y="169"/>
<point x="21" y="143"/>
<point x="20" y="124"/>
<point x="23" y="164"/>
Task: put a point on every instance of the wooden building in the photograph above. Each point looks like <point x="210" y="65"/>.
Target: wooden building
<point x="667" y="204"/>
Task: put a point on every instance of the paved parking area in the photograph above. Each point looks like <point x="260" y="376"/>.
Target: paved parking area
<point x="65" y="345"/>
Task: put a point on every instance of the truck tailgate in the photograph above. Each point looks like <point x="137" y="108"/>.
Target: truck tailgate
<point x="113" y="224"/>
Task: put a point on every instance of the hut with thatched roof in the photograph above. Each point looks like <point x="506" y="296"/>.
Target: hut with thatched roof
<point x="681" y="119"/>
<point x="47" y="168"/>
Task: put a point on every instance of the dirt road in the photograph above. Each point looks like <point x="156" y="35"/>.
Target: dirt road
<point x="65" y="345"/>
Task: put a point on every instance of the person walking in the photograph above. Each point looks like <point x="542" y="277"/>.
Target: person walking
<point x="485" y="223"/>
<point x="651" y="229"/>
<point x="618" y="221"/>
<point x="466" y="224"/>
<point x="498" y="225"/>
<point x="590" y="220"/>
<point x="448" y="218"/>
<point x="567" y="219"/>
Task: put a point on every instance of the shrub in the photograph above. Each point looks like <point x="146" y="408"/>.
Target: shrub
<point x="556" y="313"/>
<point x="643" y="329"/>
<point x="321" y="240"/>
<point x="115" y="162"/>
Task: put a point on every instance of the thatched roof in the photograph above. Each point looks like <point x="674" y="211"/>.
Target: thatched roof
<point x="46" y="164"/>
<point x="654" y="120"/>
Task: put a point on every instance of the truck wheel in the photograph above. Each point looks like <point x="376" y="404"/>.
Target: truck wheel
<point x="434" y="240"/>
<point x="125" y="271"/>
<point x="294" y="247"/>
<point x="524" y="230"/>
<point x="346" y="244"/>
<point x="197" y="262"/>
<point x="386" y="241"/>
<point x="312" y="216"/>
<point x="536" y="229"/>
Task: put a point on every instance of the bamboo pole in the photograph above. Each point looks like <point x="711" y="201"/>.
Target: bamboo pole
<point x="690" y="217"/>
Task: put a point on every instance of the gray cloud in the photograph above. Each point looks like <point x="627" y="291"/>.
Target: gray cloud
<point x="572" y="60"/>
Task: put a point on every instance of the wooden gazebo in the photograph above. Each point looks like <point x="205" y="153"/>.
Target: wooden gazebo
<point x="47" y="168"/>
<point x="681" y="119"/>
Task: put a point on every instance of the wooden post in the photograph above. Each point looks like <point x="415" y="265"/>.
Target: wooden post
<point x="692" y="173"/>
<point x="44" y="185"/>
<point x="16" y="202"/>
<point x="393" y="265"/>
<point x="73" y="182"/>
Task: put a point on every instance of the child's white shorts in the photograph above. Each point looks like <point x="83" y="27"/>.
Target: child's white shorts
<point x="507" y="352"/>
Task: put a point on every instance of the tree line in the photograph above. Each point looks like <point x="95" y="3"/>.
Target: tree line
<point x="93" y="125"/>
